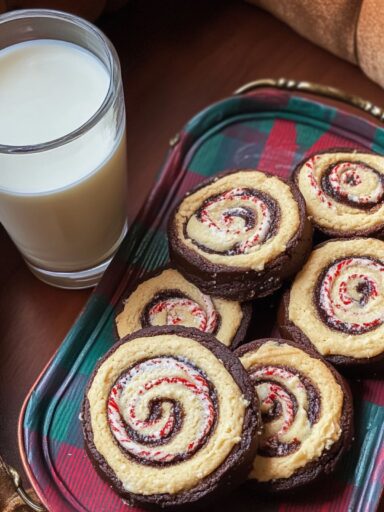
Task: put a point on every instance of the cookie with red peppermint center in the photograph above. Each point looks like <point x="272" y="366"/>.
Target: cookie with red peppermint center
<point x="344" y="192"/>
<point x="307" y="414"/>
<point x="336" y="303"/>
<point x="165" y="297"/>
<point x="240" y="234"/>
<point x="170" y="418"/>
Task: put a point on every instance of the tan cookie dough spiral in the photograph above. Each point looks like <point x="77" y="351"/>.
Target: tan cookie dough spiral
<point x="344" y="191"/>
<point x="337" y="300"/>
<point x="165" y="413"/>
<point x="169" y="299"/>
<point x="301" y="404"/>
<point x="244" y="219"/>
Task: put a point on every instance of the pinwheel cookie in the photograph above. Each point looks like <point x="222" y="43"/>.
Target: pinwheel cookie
<point x="336" y="303"/>
<point x="344" y="192"/>
<point x="170" y="417"/>
<point x="240" y="234"/>
<point x="306" y="410"/>
<point x="165" y="297"/>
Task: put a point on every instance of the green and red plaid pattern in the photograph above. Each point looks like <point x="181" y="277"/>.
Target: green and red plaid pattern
<point x="271" y="130"/>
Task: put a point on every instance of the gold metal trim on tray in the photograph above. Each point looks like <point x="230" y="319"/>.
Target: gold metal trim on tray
<point x="313" y="88"/>
<point x="174" y="140"/>
<point x="20" y="490"/>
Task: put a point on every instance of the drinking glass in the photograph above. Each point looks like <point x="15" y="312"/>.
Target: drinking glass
<point x="67" y="234"/>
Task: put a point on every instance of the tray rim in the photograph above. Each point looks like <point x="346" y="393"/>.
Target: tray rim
<point x="172" y="154"/>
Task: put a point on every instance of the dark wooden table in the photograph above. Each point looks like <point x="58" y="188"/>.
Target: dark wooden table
<point x="177" y="57"/>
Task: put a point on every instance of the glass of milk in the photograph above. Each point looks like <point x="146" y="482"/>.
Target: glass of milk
<point x="62" y="145"/>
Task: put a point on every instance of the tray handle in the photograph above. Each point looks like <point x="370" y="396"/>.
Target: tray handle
<point x="313" y="88"/>
<point x="21" y="492"/>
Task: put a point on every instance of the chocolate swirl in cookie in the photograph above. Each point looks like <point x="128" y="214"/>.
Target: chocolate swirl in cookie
<point x="306" y="411"/>
<point x="236" y="221"/>
<point x="152" y="401"/>
<point x="282" y="391"/>
<point x="349" y="295"/>
<point x="170" y="417"/>
<point x="336" y="303"/>
<point x="165" y="297"/>
<point x="344" y="191"/>
<point x="353" y="183"/>
<point x="240" y="235"/>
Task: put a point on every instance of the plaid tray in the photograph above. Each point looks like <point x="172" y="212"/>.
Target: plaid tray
<point x="271" y="130"/>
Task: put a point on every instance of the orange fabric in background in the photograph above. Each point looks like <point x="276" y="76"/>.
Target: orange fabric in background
<point x="350" y="29"/>
<point x="369" y="40"/>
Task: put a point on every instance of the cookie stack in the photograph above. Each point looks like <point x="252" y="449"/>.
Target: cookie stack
<point x="185" y="407"/>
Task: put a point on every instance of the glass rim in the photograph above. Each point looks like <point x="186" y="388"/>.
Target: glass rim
<point x="114" y="70"/>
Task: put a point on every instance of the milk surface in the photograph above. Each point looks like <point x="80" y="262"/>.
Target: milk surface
<point x="65" y="207"/>
<point x="47" y="90"/>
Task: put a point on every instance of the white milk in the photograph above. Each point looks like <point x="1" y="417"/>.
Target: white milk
<point x="64" y="207"/>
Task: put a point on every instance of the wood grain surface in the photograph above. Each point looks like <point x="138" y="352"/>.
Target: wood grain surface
<point x="177" y="57"/>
